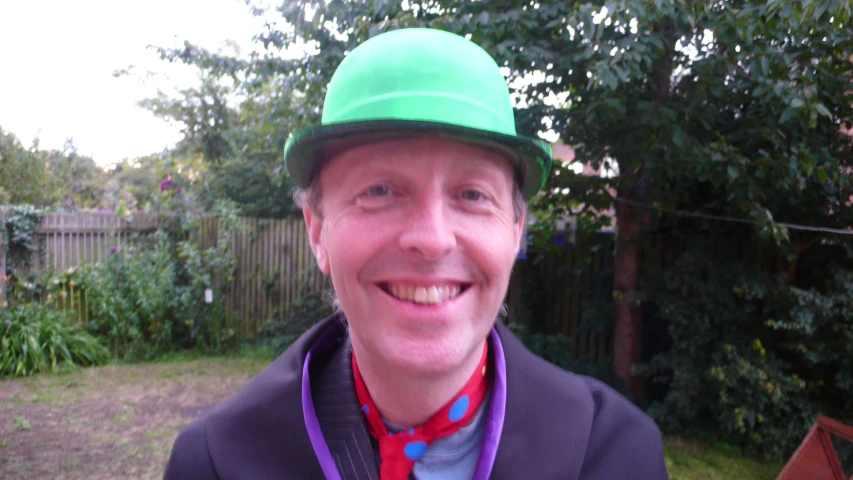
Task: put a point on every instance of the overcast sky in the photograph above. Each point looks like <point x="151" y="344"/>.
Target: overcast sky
<point x="57" y="60"/>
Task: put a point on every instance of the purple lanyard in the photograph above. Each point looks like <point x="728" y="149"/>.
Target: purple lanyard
<point x="491" y="435"/>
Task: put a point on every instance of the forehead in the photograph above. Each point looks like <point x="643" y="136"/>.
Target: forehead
<point x="416" y="155"/>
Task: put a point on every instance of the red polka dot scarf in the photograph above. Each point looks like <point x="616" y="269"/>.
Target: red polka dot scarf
<point x="399" y="452"/>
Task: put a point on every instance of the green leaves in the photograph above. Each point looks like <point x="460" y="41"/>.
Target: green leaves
<point x="751" y="354"/>
<point x="36" y="339"/>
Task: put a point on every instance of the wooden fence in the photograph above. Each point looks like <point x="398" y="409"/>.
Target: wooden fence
<point x="67" y="240"/>
<point x="2" y="259"/>
<point x="275" y="266"/>
<point x="70" y="239"/>
<point x="557" y="295"/>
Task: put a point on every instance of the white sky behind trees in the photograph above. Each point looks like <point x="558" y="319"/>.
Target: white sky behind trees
<point x="57" y="60"/>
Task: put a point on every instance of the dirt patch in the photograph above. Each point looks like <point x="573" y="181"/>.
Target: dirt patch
<point x="109" y="422"/>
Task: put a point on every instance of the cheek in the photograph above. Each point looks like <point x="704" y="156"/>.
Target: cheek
<point x="351" y="243"/>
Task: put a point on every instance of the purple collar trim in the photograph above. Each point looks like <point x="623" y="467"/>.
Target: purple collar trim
<point x="327" y="463"/>
<point x="491" y="435"/>
<point x="497" y="412"/>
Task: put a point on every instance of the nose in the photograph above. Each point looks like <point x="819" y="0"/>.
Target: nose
<point x="427" y="231"/>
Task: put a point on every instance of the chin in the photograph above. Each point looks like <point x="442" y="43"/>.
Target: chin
<point x="431" y="356"/>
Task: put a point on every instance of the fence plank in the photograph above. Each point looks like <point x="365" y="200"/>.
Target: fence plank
<point x="2" y="259"/>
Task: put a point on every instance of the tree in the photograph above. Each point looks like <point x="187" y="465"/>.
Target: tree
<point x="233" y="139"/>
<point x="32" y="176"/>
<point x="86" y="188"/>
<point x="741" y="101"/>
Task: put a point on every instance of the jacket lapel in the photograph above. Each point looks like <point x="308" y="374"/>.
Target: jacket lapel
<point x="548" y="420"/>
<point x="341" y="419"/>
<point x="261" y="432"/>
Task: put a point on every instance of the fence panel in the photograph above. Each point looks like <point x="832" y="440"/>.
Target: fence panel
<point x="560" y="290"/>
<point x="274" y="268"/>
<point x="73" y="239"/>
<point x="2" y="259"/>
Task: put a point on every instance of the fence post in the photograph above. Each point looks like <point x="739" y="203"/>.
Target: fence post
<point x="2" y="259"/>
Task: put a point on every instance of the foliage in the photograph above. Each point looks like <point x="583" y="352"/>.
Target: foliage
<point x="311" y="307"/>
<point x="86" y="183"/>
<point x="149" y="299"/>
<point x="19" y="227"/>
<point x="209" y="269"/>
<point x="21" y="245"/>
<point x="131" y="300"/>
<point x="235" y="145"/>
<point x="32" y="176"/>
<point x="560" y="350"/>
<point x="730" y="108"/>
<point x="752" y="355"/>
<point x="36" y="339"/>
<point x="129" y="184"/>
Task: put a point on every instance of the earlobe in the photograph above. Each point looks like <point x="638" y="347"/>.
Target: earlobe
<point x="314" y="225"/>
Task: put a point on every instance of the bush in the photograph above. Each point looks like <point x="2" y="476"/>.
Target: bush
<point x="37" y="339"/>
<point x="752" y="357"/>
<point x="148" y="300"/>
<point x="303" y="314"/>
<point x="131" y="300"/>
<point x="560" y="350"/>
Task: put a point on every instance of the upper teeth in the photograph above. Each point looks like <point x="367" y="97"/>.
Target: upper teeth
<point x="431" y="295"/>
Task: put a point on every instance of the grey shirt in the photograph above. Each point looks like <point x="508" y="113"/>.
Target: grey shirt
<point x="454" y="456"/>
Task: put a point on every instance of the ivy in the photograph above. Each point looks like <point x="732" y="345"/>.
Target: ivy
<point x="20" y="240"/>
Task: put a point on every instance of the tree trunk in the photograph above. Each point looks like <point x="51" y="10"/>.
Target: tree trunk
<point x="631" y="222"/>
<point x="628" y="332"/>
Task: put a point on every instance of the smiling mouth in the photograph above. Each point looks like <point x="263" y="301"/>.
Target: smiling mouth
<point x="423" y="295"/>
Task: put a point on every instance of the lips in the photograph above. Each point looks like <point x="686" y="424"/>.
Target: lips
<point x="421" y="294"/>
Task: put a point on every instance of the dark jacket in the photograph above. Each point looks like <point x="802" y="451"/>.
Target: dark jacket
<point x="557" y="425"/>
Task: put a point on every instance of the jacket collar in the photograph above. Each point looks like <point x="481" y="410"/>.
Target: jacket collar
<point x="544" y="433"/>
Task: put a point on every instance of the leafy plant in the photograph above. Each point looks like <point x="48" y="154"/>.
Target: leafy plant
<point x="148" y="299"/>
<point x="752" y="357"/>
<point x="131" y="301"/>
<point x="37" y="339"/>
<point x="18" y="229"/>
<point x="303" y="314"/>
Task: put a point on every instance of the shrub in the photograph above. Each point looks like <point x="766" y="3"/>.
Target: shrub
<point x="148" y="300"/>
<point x="752" y="357"/>
<point x="36" y="339"/>
<point x="560" y="350"/>
<point x="303" y="314"/>
<point x="131" y="300"/>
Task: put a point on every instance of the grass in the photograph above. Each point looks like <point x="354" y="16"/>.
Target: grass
<point x="693" y="460"/>
<point x="114" y="421"/>
<point x="119" y="421"/>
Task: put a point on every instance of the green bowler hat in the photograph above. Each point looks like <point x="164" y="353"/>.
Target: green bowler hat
<point x="417" y="81"/>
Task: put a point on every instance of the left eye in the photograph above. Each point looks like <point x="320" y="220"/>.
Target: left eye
<point x="471" y="195"/>
<point x="378" y="191"/>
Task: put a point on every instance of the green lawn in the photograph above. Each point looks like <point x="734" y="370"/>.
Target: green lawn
<point x="691" y="460"/>
<point x="119" y="421"/>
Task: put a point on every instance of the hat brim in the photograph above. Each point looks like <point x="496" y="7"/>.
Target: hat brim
<point x="309" y="147"/>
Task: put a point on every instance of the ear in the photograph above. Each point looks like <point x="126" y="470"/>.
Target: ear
<point x="518" y="230"/>
<point x="314" y="224"/>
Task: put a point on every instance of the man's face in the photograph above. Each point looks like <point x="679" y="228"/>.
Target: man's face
<point x="419" y="238"/>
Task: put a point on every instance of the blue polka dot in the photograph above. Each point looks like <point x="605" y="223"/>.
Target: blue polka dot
<point x="460" y="406"/>
<point x="414" y="450"/>
<point x="412" y="431"/>
<point x="366" y="409"/>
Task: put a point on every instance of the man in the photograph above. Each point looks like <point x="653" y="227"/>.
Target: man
<point x="413" y="190"/>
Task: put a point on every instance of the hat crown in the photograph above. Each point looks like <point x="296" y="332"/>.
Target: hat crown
<point x="420" y="74"/>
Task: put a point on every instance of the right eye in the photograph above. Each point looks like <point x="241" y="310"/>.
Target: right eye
<point x="377" y="191"/>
